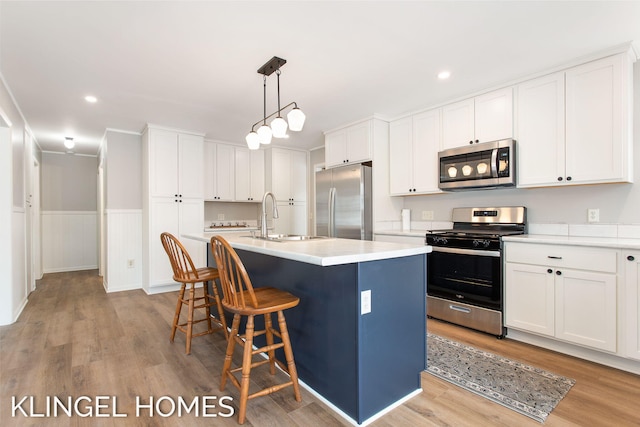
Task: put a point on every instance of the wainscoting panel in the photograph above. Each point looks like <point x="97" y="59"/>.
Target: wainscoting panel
<point x="69" y="241"/>
<point x="124" y="249"/>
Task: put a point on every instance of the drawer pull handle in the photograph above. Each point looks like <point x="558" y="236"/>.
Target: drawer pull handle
<point x="554" y="257"/>
<point x="458" y="308"/>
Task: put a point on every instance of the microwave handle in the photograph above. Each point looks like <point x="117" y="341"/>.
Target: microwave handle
<point x="494" y="163"/>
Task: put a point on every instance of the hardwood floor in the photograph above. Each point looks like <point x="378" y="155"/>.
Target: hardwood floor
<point x="75" y="340"/>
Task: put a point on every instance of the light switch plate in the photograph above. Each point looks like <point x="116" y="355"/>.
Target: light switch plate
<point x="365" y="302"/>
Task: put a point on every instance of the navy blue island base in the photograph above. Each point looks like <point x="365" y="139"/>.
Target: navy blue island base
<point x="360" y="363"/>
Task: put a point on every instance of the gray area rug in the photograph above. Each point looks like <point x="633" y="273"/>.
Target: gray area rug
<point x="530" y="391"/>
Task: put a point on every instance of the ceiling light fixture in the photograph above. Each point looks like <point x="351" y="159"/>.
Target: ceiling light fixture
<point x="443" y="75"/>
<point x="68" y="142"/>
<point x="91" y="99"/>
<point x="278" y="127"/>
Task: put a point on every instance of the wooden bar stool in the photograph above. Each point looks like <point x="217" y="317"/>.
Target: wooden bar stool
<point x="186" y="273"/>
<point x="240" y="298"/>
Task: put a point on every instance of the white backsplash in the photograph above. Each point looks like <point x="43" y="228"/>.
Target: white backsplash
<point x="587" y="230"/>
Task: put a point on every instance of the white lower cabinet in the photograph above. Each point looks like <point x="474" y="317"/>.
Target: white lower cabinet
<point x="564" y="292"/>
<point x="631" y="291"/>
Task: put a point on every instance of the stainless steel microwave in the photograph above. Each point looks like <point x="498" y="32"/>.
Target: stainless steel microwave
<point x="478" y="166"/>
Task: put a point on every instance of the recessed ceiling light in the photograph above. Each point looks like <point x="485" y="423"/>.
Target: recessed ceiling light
<point x="90" y="98"/>
<point x="443" y="75"/>
<point x="68" y="142"/>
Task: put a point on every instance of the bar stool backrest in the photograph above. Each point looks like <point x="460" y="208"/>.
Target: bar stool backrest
<point x="181" y="263"/>
<point x="237" y="289"/>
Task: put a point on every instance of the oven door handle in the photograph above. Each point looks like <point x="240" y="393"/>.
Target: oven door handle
<point x="476" y="252"/>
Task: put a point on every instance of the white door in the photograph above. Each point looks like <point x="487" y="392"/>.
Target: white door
<point x="36" y="250"/>
<point x="400" y="156"/>
<point x="457" y="124"/>
<point x="426" y="143"/>
<point x="493" y="115"/>
<point x="529" y="298"/>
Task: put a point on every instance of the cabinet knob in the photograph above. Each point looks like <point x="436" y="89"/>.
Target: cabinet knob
<point x="471" y="142"/>
<point x="477" y="141"/>
<point x="175" y="195"/>
<point x="568" y="178"/>
<point x="549" y="271"/>
<point x="631" y="258"/>
<point x="559" y="273"/>
<point x="559" y="178"/>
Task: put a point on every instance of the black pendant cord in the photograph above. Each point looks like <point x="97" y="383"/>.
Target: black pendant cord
<point x="264" y="98"/>
<point x="278" y="76"/>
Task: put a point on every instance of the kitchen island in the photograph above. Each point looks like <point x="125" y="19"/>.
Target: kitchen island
<point x="359" y="332"/>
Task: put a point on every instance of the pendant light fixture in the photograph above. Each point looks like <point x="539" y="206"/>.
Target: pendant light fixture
<point x="278" y="127"/>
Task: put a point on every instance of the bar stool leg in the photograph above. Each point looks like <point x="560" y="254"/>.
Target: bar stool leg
<point x="231" y="343"/>
<point x="176" y="318"/>
<point x="207" y="305"/>
<point x="268" y="326"/>
<point x="246" y="369"/>
<point x="288" y="354"/>
<point x="221" y="317"/>
<point x="192" y="295"/>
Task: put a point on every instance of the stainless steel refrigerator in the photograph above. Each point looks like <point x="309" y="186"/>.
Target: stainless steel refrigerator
<point x="343" y="202"/>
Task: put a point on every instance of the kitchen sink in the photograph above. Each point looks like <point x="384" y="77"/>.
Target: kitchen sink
<point x="287" y="237"/>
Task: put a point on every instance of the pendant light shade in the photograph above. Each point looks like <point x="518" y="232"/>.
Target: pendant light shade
<point x="253" y="140"/>
<point x="264" y="134"/>
<point x="279" y="127"/>
<point x="296" y="119"/>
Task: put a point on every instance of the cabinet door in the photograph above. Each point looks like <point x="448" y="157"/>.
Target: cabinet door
<point x="335" y="148"/>
<point x="191" y="213"/>
<point x="632" y="309"/>
<point x="540" y="132"/>
<point x="457" y="124"/>
<point x="224" y="172"/>
<point x="209" y="173"/>
<point x="292" y="218"/>
<point x="257" y="174"/>
<point x="426" y="144"/>
<point x="494" y="115"/>
<point x="280" y="174"/>
<point x="190" y="168"/>
<point x="163" y="163"/>
<point x="586" y="308"/>
<point x="298" y="178"/>
<point x="595" y="121"/>
<point x="400" y="157"/>
<point x="529" y="298"/>
<point x="164" y="217"/>
<point x="359" y="143"/>
<point x="243" y="173"/>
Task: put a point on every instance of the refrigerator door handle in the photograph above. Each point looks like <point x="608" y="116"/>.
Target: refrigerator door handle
<point x="332" y="213"/>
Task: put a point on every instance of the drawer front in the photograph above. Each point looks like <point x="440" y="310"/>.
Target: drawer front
<point x="574" y="257"/>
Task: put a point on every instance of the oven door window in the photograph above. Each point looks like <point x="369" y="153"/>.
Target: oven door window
<point x="474" y="279"/>
<point x="466" y="167"/>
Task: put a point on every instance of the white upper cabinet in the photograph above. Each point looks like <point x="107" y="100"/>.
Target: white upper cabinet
<point x="348" y="145"/>
<point x="540" y="135"/>
<point x="175" y="164"/>
<point x="286" y="174"/>
<point x="249" y="169"/>
<point x="573" y="126"/>
<point x="219" y="172"/>
<point x="413" y="157"/>
<point x="597" y="126"/>
<point x="488" y="117"/>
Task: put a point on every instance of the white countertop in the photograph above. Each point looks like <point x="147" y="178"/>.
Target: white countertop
<point x="322" y="252"/>
<point x="602" y="242"/>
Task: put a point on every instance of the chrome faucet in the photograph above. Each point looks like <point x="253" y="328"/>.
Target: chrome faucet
<point x="263" y="225"/>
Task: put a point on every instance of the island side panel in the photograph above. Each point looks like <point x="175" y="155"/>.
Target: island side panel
<point x="391" y="339"/>
<point x="322" y="327"/>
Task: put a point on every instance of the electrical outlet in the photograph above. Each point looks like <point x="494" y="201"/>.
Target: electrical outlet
<point x="593" y="215"/>
<point x="130" y="263"/>
<point x="365" y="302"/>
<point x="220" y="217"/>
<point x="427" y="215"/>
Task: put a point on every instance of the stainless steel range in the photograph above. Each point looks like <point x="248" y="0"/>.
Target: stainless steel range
<point x="464" y="271"/>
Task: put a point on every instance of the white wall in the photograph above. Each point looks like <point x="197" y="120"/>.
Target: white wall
<point x="13" y="283"/>
<point x="69" y="182"/>
<point x="618" y="203"/>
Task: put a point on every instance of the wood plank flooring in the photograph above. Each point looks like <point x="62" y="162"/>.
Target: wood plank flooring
<point x="75" y="340"/>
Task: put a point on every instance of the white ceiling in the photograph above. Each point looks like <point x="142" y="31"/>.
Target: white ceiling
<point x="192" y="65"/>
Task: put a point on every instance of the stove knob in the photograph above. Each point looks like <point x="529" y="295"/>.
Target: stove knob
<point x="481" y="243"/>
